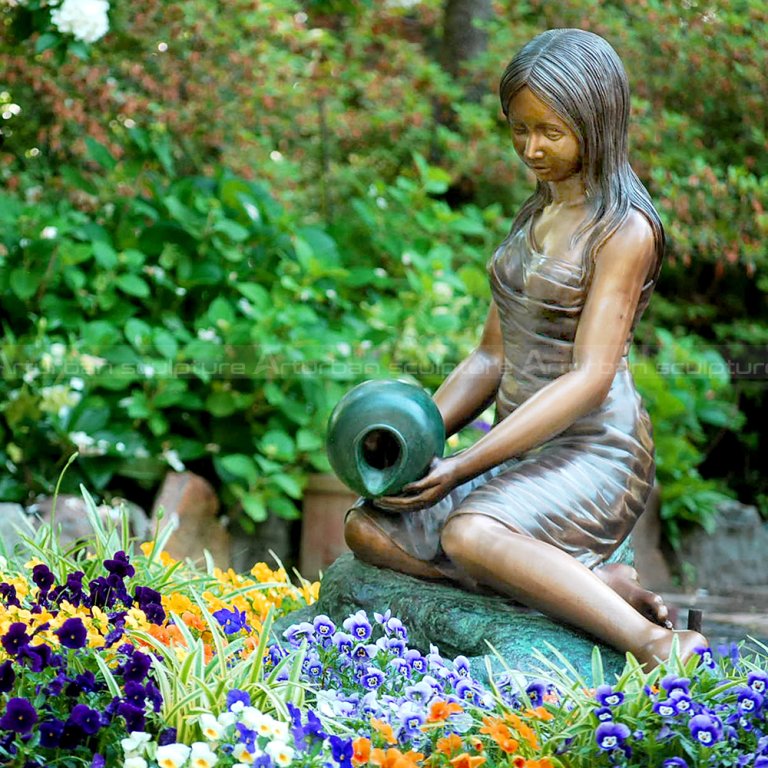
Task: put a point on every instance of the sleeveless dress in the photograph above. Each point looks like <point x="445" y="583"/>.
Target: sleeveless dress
<point x="581" y="491"/>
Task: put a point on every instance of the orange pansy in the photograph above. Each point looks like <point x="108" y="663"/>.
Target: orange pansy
<point x="385" y="729"/>
<point x="442" y="710"/>
<point x="449" y="745"/>
<point x="540" y="713"/>
<point x="361" y="750"/>
<point x="465" y="760"/>
<point x="525" y="731"/>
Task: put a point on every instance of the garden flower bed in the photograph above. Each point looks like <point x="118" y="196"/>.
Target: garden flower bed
<point x="111" y="659"/>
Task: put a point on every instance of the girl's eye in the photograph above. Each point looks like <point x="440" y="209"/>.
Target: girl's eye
<point x="553" y="134"/>
<point x="518" y="130"/>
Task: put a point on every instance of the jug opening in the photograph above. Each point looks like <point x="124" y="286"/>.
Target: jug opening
<point x="381" y="449"/>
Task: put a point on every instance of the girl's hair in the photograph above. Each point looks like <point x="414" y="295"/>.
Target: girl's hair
<point x="580" y="76"/>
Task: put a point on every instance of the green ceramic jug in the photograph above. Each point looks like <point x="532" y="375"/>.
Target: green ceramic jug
<point x="383" y="435"/>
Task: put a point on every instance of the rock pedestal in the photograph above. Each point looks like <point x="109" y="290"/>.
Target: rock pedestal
<point x="456" y="621"/>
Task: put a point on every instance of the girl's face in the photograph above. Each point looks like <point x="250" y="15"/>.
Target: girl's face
<point x="542" y="139"/>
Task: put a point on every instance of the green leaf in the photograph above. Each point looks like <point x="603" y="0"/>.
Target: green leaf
<point x="24" y="283"/>
<point x="221" y="312"/>
<point x="138" y="333"/>
<point x="221" y="404"/>
<point x="234" y="231"/>
<point x="308" y="441"/>
<point x="278" y="445"/>
<point x="47" y="41"/>
<point x="105" y="255"/>
<point x="240" y="465"/>
<point x="284" y="508"/>
<point x="256" y="294"/>
<point x="289" y="484"/>
<point x="99" y="153"/>
<point x="254" y="506"/>
<point x="133" y="285"/>
<point x="165" y="343"/>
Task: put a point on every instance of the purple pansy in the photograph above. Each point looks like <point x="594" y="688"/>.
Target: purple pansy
<point x="603" y="714"/>
<point x="610" y="736"/>
<point x="232" y="621"/>
<point x="758" y="681"/>
<point x="15" y="638"/>
<point x="372" y="678"/>
<point x="749" y="701"/>
<point x="341" y="751"/>
<point x="606" y="696"/>
<point x="358" y="626"/>
<point x="666" y="708"/>
<point x="706" y="657"/>
<point x="7" y="676"/>
<point x="50" y="733"/>
<point x="705" y="728"/>
<point x="343" y="642"/>
<point x="672" y="683"/>
<point x="20" y="716"/>
<point x="536" y="692"/>
<point x="674" y="762"/>
<point x="323" y="625"/>
<point x="72" y="633"/>
<point x="43" y="578"/>
<point x="236" y="696"/>
<point x="87" y="719"/>
<point x="120" y="565"/>
<point x="297" y="633"/>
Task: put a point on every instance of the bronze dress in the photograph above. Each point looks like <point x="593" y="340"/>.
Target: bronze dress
<point x="581" y="491"/>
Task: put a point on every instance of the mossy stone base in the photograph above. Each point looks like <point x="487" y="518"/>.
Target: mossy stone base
<point x="456" y="621"/>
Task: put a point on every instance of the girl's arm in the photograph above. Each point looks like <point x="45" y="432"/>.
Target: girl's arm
<point x="472" y="385"/>
<point x="621" y="270"/>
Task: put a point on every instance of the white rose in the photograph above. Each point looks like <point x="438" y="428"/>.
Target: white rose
<point x="85" y="20"/>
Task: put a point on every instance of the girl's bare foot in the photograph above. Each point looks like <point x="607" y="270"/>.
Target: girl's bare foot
<point x="659" y="648"/>
<point x="623" y="580"/>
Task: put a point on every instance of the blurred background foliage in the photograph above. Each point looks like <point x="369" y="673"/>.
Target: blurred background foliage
<point x="218" y="217"/>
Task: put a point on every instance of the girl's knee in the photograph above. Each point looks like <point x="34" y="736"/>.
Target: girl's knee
<point x="462" y="535"/>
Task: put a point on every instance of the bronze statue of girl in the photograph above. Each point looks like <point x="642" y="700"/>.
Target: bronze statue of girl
<point x="537" y="506"/>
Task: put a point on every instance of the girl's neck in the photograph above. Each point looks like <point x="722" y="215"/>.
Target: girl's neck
<point x="569" y="193"/>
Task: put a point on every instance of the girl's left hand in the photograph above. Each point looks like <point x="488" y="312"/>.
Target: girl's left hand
<point x="442" y="478"/>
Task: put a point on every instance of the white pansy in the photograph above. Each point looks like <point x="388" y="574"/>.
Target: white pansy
<point x="229" y="718"/>
<point x="241" y="753"/>
<point x="280" y="753"/>
<point x="202" y="756"/>
<point x="279" y="730"/>
<point x="257" y="721"/>
<point x="212" y="729"/>
<point x="85" y="20"/>
<point x="208" y="334"/>
<point x="49" y="233"/>
<point x="77" y="384"/>
<point x="135" y="761"/>
<point x="172" y="755"/>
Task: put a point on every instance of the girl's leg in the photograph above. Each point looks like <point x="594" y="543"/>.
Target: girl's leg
<point x="551" y="581"/>
<point x="623" y="580"/>
<point x="373" y="546"/>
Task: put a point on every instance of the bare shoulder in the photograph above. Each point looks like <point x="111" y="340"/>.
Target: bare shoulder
<point x="633" y="243"/>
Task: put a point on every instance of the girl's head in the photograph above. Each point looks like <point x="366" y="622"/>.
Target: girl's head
<point x="580" y="76"/>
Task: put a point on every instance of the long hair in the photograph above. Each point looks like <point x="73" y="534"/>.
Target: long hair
<point x="580" y="76"/>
